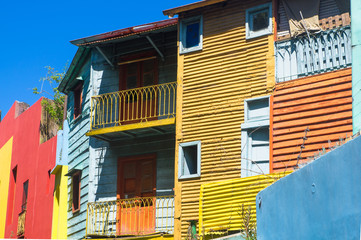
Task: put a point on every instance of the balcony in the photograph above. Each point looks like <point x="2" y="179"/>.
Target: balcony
<point x="322" y="52"/>
<point x="126" y="112"/>
<point x="130" y="217"/>
<point x="21" y="224"/>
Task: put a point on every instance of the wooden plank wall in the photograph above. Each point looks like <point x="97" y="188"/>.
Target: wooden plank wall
<point x="78" y="155"/>
<point x="213" y="84"/>
<point x="323" y="103"/>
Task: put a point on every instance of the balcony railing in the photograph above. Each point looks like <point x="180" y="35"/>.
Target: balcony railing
<point x="322" y="52"/>
<point x="135" y="216"/>
<point x="133" y="106"/>
<point x="21" y="223"/>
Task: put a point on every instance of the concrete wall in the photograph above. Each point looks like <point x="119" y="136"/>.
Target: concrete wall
<point x="320" y="201"/>
<point x="356" y="64"/>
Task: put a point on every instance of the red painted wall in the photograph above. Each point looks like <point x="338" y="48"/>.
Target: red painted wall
<point x="33" y="161"/>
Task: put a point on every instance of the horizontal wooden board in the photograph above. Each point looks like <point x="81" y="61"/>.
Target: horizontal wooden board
<point x="322" y="104"/>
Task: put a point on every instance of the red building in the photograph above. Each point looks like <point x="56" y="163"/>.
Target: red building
<point x="31" y="136"/>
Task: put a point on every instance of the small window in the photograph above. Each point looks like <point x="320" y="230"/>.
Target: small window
<point x="191" y="34"/>
<point x="78" y="99"/>
<point x="25" y="195"/>
<point x="76" y="191"/>
<point x="259" y="21"/>
<point x="189" y="161"/>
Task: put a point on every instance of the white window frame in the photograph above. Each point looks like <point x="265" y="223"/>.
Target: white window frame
<point x="249" y="12"/>
<point x="182" y="34"/>
<point x="181" y="159"/>
<point x="247" y="127"/>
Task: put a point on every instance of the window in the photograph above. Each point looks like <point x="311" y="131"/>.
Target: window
<point x="189" y="160"/>
<point x="25" y="195"/>
<point x="78" y="99"/>
<point x="259" y="21"/>
<point x="255" y="137"/>
<point x="76" y="191"/>
<point x="191" y="34"/>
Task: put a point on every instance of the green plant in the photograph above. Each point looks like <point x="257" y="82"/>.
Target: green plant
<point x="55" y="108"/>
<point x="249" y="226"/>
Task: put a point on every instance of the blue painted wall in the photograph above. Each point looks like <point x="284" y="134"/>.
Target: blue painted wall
<point x="356" y="64"/>
<point x="78" y="154"/>
<point x="320" y="201"/>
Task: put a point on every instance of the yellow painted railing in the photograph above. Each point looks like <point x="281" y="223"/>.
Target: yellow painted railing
<point x="221" y="203"/>
<point x="134" y="216"/>
<point x="21" y="223"/>
<point x="133" y="106"/>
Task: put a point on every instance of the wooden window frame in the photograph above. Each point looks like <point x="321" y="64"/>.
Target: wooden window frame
<point x="76" y="193"/>
<point x="25" y="197"/>
<point x="183" y="34"/>
<point x="249" y="126"/>
<point x="249" y="13"/>
<point x="181" y="159"/>
<point x="78" y="99"/>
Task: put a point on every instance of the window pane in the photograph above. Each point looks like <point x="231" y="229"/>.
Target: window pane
<point x="260" y="20"/>
<point x="192" y="35"/>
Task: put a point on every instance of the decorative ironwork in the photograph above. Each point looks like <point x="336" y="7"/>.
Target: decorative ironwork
<point x="134" y="216"/>
<point x="134" y="105"/>
<point x="21" y="223"/>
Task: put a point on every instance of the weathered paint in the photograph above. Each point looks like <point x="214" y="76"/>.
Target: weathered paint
<point x="356" y="64"/>
<point x="320" y="201"/>
<point x="321" y="103"/>
<point x="34" y="162"/>
<point x="214" y="83"/>
<point x="5" y="163"/>
<point x="220" y="203"/>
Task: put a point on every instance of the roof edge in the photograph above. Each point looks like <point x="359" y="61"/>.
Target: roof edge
<point x="173" y="11"/>
<point x="125" y="32"/>
<point x="80" y="54"/>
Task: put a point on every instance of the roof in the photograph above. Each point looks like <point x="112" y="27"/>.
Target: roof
<point x="173" y="11"/>
<point x="125" y="32"/>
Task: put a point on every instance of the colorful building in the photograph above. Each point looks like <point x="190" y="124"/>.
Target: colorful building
<point x="311" y="107"/>
<point x="121" y="89"/>
<point x="27" y="155"/>
<point x="225" y="78"/>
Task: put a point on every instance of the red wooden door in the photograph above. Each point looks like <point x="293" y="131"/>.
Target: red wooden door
<point x="138" y="104"/>
<point x="136" y="188"/>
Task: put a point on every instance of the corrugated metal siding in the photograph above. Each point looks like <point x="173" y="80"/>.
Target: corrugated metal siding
<point x="323" y="103"/>
<point x="79" y="155"/>
<point x="220" y="204"/>
<point x="215" y="83"/>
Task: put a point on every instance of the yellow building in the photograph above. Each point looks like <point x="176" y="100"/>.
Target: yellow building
<point x="225" y="76"/>
<point x="5" y="163"/>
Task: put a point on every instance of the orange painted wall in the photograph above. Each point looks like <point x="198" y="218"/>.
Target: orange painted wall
<point x="323" y="103"/>
<point x="33" y="161"/>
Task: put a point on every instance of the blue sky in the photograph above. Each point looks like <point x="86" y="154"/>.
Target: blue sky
<point x="35" y="34"/>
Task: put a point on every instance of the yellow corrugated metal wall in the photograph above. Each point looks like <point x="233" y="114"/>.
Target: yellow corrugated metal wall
<point x="220" y="204"/>
<point x="212" y="86"/>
